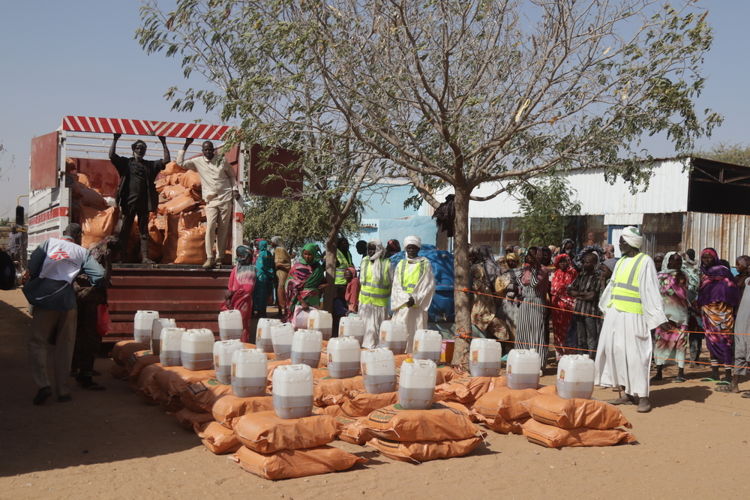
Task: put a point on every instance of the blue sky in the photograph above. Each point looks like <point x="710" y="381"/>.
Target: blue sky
<point x="79" y="57"/>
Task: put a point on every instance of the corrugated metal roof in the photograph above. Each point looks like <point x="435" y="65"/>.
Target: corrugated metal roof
<point x="667" y="193"/>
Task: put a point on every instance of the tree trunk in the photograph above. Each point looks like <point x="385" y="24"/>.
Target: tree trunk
<point x="462" y="271"/>
<point x="330" y="262"/>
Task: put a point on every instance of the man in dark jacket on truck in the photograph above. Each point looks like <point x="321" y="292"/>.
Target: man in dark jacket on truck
<point x="52" y="268"/>
<point x="137" y="194"/>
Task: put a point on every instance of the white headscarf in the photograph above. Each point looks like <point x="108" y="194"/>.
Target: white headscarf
<point x="632" y="237"/>
<point x="413" y="240"/>
<point x="379" y="250"/>
<point x="665" y="262"/>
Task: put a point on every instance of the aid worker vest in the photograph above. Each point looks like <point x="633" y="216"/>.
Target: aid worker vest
<point x="626" y="291"/>
<point x="374" y="292"/>
<point x="64" y="260"/>
<point x="344" y="263"/>
<point x="410" y="276"/>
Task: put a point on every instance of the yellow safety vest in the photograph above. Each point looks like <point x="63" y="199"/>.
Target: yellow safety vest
<point x="344" y="263"/>
<point x="626" y="285"/>
<point x="371" y="291"/>
<point x="410" y="277"/>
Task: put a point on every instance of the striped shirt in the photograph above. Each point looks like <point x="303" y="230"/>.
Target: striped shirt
<point x="587" y="282"/>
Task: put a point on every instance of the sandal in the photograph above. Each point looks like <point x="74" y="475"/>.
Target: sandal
<point x="680" y="380"/>
<point x="745" y="395"/>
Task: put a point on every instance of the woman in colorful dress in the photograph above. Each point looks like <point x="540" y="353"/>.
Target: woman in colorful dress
<point x="265" y="274"/>
<point x="305" y="285"/>
<point x="564" y="275"/>
<point x="718" y="297"/>
<point x="530" y="326"/>
<point x="239" y="293"/>
<point x="672" y="343"/>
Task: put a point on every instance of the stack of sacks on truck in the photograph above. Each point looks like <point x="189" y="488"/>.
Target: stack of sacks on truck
<point x="281" y="448"/>
<point x="90" y="209"/>
<point x="422" y="435"/>
<point x="557" y="422"/>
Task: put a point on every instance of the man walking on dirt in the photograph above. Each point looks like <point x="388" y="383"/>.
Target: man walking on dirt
<point x="137" y="194"/>
<point x="52" y="268"/>
<point x="218" y="188"/>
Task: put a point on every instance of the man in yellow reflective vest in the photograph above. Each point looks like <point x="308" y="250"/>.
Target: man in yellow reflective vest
<point x="632" y="307"/>
<point x="375" y="290"/>
<point x="413" y="289"/>
<point x="343" y="261"/>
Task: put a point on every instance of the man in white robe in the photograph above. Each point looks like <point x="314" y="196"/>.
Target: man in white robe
<point x="412" y="290"/>
<point x="374" y="292"/>
<point x="632" y="307"/>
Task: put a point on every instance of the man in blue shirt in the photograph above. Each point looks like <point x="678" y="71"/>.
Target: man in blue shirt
<point x="52" y="268"/>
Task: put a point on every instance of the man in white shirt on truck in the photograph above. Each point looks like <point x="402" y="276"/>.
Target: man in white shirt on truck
<point x="218" y="188"/>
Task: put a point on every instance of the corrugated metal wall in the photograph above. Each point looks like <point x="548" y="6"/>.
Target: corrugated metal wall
<point x="727" y="233"/>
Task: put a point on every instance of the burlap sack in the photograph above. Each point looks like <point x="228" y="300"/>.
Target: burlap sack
<point x="180" y="203"/>
<point x="218" y="439"/>
<point x="500" y="425"/>
<point x="172" y="168"/>
<point x="361" y="404"/>
<point x="265" y="432"/>
<point x="466" y="410"/>
<point x="97" y="224"/>
<point x="435" y="424"/>
<point x="466" y="390"/>
<point x="555" y="437"/>
<point x="547" y="389"/>
<point x="504" y="402"/>
<point x="192" y="420"/>
<point x="418" y="452"/>
<point x="191" y="180"/>
<point x="172" y="380"/>
<point x="201" y="396"/>
<point x="229" y="407"/>
<point x="333" y="391"/>
<point x="333" y="410"/>
<point x="445" y="374"/>
<point x="146" y="385"/>
<point x="353" y="430"/>
<point x="575" y="413"/>
<point x="138" y="361"/>
<point x="171" y="192"/>
<point x="123" y="349"/>
<point x="296" y="463"/>
<point x="191" y="246"/>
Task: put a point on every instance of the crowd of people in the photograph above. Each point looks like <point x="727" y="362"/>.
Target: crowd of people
<point x="593" y="303"/>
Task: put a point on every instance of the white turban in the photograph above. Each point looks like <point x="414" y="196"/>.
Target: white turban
<point x="413" y="240"/>
<point x="632" y="237"/>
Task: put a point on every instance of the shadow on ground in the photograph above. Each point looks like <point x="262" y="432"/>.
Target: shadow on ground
<point x="96" y="427"/>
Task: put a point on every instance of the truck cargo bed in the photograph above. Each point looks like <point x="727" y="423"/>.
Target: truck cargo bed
<point x="189" y="294"/>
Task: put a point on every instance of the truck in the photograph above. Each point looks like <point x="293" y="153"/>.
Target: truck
<point x="187" y="293"/>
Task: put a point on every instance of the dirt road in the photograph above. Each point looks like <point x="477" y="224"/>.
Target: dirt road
<point x="111" y="445"/>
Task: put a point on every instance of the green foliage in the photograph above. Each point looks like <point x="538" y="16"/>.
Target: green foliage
<point x="738" y="154"/>
<point x="546" y="207"/>
<point x="297" y="221"/>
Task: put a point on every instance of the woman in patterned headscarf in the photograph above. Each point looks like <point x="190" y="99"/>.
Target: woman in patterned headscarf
<point x="564" y="275"/>
<point x="306" y="282"/>
<point x="718" y="297"/>
<point x="240" y="289"/>
<point x="672" y="343"/>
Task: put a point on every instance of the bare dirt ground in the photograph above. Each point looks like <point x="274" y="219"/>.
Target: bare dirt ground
<point x="112" y="445"/>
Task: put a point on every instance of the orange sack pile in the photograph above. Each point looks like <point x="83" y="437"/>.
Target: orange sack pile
<point x="218" y="439"/>
<point x="333" y="391"/>
<point x="287" y="464"/>
<point x="265" y="432"/>
<point x="435" y="424"/>
<point x="361" y="404"/>
<point x="201" y="395"/>
<point x="502" y="409"/>
<point x="575" y="413"/>
<point x="425" y="451"/>
<point x="555" y="437"/>
<point x="229" y="407"/>
<point x="467" y="390"/>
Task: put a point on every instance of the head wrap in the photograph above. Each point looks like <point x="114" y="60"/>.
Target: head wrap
<point x="560" y="258"/>
<point x="632" y="237"/>
<point x="262" y="245"/>
<point x="243" y="252"/>
<point x="413" y="240"/>
<point x="392" y="247"/>
<point x="511" y="257"/>
<point x="610" y="263"/>
<point x="665" y="262"/>
<point x="314" y="250"/>
<point x="276" y="240"/>
<point x="379" y="250"/>
<point x="713" y="253"/>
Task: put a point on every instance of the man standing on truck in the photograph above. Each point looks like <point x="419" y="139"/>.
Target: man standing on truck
<point x="53" y="266"/>
<point x="136" y="195"/>
<point x="218" y="188"/>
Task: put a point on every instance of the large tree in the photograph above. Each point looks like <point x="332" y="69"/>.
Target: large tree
<point x="459" y="93"/>
<point x="256" y="76"/>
